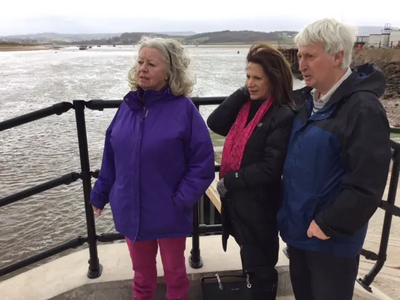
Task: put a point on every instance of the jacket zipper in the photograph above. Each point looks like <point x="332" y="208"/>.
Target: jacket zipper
<point x="145" y="111"/>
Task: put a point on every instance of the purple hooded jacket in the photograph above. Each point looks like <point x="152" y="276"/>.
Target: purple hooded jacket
<point x="158" y="161"/>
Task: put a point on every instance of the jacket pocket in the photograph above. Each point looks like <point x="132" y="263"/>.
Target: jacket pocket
<point x="297" y="227"/>
<point x="293" y="226"/>
<point x="186" y="212"/>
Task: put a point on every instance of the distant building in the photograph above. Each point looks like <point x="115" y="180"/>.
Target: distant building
<point x="394" y="38"/>
<point x="379" y="40"/>
<point x="389" y="37"/>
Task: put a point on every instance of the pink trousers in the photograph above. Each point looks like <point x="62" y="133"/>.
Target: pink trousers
<point x="143" y="255"/>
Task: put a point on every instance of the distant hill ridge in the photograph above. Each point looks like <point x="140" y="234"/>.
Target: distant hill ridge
<point x="187" y="37"/>
<point x="223" y="37"/>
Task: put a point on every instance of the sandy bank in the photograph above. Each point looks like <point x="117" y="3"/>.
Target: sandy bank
<point x="388" y="60"/>
<point x="392" y="107"/>
<point x="6" y="48"/>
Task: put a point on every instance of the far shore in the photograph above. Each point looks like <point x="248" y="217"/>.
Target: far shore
<point x="233" y="45"/>
<point x="6" y="48"/>
<point x="16" y="47"/>
<point x="220" y="46"/>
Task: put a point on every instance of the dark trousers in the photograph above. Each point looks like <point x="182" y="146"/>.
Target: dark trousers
<point x="321" y="276"/>
<point x="259" y="249"/>
<point x="259" y="262"/>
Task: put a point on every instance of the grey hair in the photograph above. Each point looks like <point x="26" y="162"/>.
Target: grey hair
<point x="180" y="79"/>
<point x="336" y="37"/>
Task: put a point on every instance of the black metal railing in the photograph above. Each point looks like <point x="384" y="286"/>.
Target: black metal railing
<point x="390" y="211"/>
<point x="95" y="268"/>
<point x="85" y="175"/>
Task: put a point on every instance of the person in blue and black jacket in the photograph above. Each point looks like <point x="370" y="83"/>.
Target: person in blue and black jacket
<point x="336" y="166"/>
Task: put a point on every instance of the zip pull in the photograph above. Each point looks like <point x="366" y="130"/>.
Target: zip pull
<point x="220" y="286"/>
<point x="248" y="281"/>
<point x="146" y="112"/>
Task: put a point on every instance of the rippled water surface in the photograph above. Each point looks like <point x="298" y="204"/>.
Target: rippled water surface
<point x="45" y="149"/>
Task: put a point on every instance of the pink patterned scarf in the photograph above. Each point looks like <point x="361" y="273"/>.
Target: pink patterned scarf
<point x="238" y="136"/>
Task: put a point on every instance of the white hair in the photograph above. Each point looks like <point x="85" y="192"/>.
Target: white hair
<point x="180" y="79"/>
<point x="336" y="37"/>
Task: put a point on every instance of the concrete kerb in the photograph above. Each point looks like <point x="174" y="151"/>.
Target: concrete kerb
<point x="65" y="278"/>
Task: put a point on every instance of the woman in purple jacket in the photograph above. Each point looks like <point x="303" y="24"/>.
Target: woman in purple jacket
<point x="158" y="160"/>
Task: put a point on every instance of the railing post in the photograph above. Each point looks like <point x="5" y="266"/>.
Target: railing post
<point x="382" y="254"/>
<point x="195" y="260"/>
<point x="95" y="268"/>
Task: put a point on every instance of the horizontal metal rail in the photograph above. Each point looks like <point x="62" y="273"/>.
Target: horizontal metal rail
<point x="65" y="179"/>
<point x="214" y="228"/>
<point x="43" y="255"/>
<point x="56" y="109"/>
<point x="104" y="104"/>
<point x="110" y="237"/>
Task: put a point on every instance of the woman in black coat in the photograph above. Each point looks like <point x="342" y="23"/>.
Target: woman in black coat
<point x="256" y="121"/>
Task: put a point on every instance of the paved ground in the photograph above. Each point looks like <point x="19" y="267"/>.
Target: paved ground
<point x="388" y="280"/>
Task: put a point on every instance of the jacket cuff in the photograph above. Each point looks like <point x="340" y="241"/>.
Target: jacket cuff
<point x="233" y="181"/>
<point x="329" y="232"/>
<point x="96" y="202"/>
<point x="178" y="201"/>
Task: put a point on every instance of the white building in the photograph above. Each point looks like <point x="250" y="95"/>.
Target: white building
<point x="394" y="38"/>
<point x="379" y="40"/>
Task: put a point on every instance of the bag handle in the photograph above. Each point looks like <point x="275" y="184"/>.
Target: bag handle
<point x="218" y="277"/>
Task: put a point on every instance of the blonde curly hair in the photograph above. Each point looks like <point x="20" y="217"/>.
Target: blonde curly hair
<point x="180" y="81"/>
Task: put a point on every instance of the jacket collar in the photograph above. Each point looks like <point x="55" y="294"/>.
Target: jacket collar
<point x="141" y="98"/>
<point x="366" y="78"/>
<point x="321" y="101"/>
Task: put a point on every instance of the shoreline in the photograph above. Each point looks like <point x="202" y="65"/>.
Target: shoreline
<point x="219" y="46"/>
<point x="227" y="45"/>
<point x="10" y="48"/>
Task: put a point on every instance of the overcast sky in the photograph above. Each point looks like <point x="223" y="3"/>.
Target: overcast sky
<point x="90" y="16"/>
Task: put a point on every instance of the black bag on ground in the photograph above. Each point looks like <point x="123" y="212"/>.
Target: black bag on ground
<point x="226" y="287"/>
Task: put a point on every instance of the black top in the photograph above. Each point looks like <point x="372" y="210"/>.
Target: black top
<point x="249" y="208"/>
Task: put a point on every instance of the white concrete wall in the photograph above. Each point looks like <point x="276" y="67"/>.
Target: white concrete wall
<point x="375" y="39"/>
<point x="394" y="37"/>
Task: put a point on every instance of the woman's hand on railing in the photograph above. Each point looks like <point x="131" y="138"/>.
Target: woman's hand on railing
<point x="97" y="211"/>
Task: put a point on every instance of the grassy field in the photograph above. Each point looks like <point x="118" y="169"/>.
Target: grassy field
<point x="395" y="136"/>
<point x="218" y="141"/>
<point x="201" y="40"/>
<point x="6" y="46"/>
<point x="287" y="40"/>
<point x="227" y="43"/>
<point x="10" y="44"/>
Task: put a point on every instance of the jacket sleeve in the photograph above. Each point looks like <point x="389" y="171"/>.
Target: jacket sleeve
<point x="222" y="118"/>
<point x="201" y="167"/>
<point x="102" y="187"/>
<point x="269" y="169"/>
<point x="367" y="155"/>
